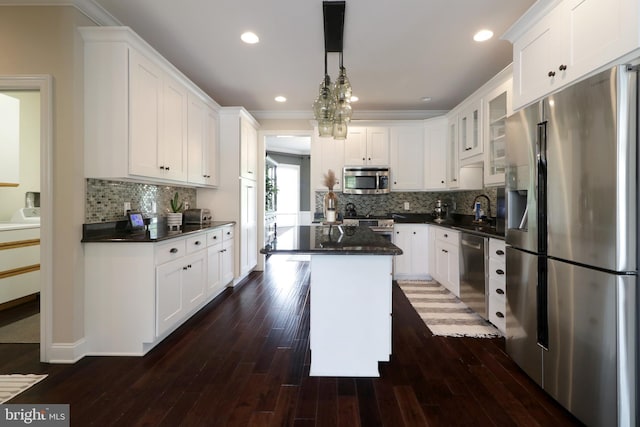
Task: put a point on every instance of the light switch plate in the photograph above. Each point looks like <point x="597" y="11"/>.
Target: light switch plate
<point x="406" y="206"/>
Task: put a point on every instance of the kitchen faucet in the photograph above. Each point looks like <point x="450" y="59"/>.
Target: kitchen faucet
<point x="488" y="204"/>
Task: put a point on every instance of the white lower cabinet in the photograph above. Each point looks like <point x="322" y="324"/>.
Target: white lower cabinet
<point x="497" y="284"/>
<point x="137" y="293"/>
<point x="413" y="240"/>
<point x="447" y="258"/>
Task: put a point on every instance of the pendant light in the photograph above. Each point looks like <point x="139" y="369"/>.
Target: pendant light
<point x="332" y="109"/>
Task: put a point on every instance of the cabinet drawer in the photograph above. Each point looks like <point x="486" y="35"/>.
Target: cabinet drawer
<point x="196" y="243"/>
<point x="497" y="289"/>
<point x="170" y="250"/>
<point x="497" y="269"/>
<point x="446" y="235"/>
<point x="497" y="313"/>
<point x="227" y="232"/>
<point x="214" y="237"/>
<point x="497" y="249"/>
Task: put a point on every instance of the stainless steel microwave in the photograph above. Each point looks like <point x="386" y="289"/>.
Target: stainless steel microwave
<point x="365" y="180"/>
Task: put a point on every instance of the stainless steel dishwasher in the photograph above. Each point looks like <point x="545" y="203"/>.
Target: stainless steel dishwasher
<point x="473" y="272"/>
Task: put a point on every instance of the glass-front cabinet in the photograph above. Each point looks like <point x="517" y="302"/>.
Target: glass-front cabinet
<point x="452" y="153"/>
<point x="497" y="107"/>
<point x="470" y="139"/>
<point x="270" y="200"/>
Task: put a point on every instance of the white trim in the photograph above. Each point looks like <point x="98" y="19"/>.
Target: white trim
<point x="44" y="84"/>
<point x="67" y="352"/>
<point x="534" y="14"/>
<point x="357" y="114"/>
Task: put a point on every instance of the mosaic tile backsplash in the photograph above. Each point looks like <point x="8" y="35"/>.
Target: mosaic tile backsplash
<point x="460" y="202"/>
<point x="105" y="199"/>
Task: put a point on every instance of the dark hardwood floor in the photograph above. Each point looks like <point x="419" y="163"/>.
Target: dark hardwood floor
<point x="244" y="360"/>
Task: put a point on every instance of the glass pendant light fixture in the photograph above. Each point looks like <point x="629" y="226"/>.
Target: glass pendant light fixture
<point x="332" y="109"/>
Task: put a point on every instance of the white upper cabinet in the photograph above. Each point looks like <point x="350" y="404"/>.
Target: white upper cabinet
<point x="407" y="152"/>
<point x="497" y="106"/>
<point x="574" y="39"/>
<point x="453" y="170"/>
<point x="248" y="150"/>
<point x="327" y="153"/>
<point x="469" y="129"/>
<point x="435" y="153"/>
<point x="203" y="143"/>
<point x="136" y="111"/>
<point x="9" y="141"/>
<point x="367" y="146"/>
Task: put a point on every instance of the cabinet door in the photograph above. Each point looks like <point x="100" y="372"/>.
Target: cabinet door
<point x="173" y="137"/>
<point x="469" y="127"/>
<point x="196" y="111"/>
<point x="447" y="269"/>
<point x="226" y="273"/>
<point x="248" y="227"/>
<point x="331" y="153"/>
<point x="402" y="239"/>
<point x="435" y="159"/>
<point x="145" y="117"/>
<point x="170" y="305"/>
<point x="355" y="147"/>
<point x="407" y="148"/>
<point x="194" y="280"/>
<point x="377" y="152"/>
<point x="420" y="250"/>
<point x="214" y="269"/>
<point x="248" y="150"/>
<point x="537" y="56"/>
<point x="453" y="169"/>
<point x="497" y="108"/>
<point x="210" y="152"/>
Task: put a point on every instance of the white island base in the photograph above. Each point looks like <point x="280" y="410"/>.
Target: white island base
<point x="350" y="314"/>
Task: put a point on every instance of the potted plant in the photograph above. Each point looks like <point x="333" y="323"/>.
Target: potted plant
<point x="174" y="218"/>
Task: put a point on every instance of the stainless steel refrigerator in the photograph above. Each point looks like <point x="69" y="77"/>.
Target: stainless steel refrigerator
<point x="572" y="260"/>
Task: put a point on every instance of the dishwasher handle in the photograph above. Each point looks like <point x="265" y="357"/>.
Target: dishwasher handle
<point x="471" y="245"/>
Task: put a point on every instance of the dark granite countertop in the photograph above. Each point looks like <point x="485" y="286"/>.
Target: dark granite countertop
<point x="331" y="240"/>
<point x="459" y="222"/>
<point x="156" y="230"/>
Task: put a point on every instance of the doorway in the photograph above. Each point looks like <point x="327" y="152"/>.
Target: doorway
<point x="288" y="179"/>
<point x="34" y="93"/>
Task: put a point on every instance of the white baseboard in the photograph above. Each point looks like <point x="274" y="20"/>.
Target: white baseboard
<point x="67" y="352"/>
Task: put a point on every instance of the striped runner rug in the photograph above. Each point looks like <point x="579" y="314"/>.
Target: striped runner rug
<point x="444" y="313"/>
<point x="14" y="384"/>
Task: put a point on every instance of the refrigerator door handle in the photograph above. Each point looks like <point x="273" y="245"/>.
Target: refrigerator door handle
<point x="541" y="291"/>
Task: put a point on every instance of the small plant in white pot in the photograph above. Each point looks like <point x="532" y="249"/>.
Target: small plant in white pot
<point x="174" y="218"/>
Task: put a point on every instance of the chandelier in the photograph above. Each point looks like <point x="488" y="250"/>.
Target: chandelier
<point x="332" y="108"/>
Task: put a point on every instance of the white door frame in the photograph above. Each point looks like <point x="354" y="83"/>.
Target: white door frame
<point x="44" y="84"/>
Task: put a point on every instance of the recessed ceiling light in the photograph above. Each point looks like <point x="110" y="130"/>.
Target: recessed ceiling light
<point x="354" y="98"/>
<point x="483" y="35"/>
<point x="280" y="98"/>
<point x="249" y="38"/>
<point x="425" y="99"/>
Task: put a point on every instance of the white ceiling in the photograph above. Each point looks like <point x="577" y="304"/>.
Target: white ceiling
<point x="395" y="52"/>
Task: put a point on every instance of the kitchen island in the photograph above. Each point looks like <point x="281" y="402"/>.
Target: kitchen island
<point x="350" y="296"/>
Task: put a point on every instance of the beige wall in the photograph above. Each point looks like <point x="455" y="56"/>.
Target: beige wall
<point x="44" y="40"/>
<point x="12" y="198"/>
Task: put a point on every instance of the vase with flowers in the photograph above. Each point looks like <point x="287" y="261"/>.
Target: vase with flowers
<point x="330" y="202"/>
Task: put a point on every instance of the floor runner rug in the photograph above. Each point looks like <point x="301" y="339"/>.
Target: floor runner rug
<point x="444" y="313"/>
<point x="12" y="385"/>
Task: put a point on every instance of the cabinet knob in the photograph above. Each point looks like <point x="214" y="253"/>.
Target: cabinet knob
<point x="215" y="237"/>
<point x="185" y="267"/>
<point x="162" y="167"/>
<point x="468" y="148"/>
<point x="363" y="159"/>
<point x="499" y="252"/>
<point x="446" y="235"/>
<point x="500" y="315"/>
<point x="167" y="168"/>
<point x="414" y="232"/>
<point x="197" y="243"/>
<point x="441" y="182"/>
<point x="394" y="182"/>
<point x="562" y="67"/>
<point x="445" y="251"/>
<point x="499" y="271"/>
<point x="551" y="73"/>
<point x="499" y="292"/>
<point x="174" y="250"/>
<point x="454" y="179"/>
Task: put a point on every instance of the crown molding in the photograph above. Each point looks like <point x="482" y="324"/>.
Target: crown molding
<point x="357" y="114"/>
<point x="89" y="8"/>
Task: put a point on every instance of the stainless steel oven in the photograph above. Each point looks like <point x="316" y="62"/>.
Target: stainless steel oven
<point x="381" y="226"/>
